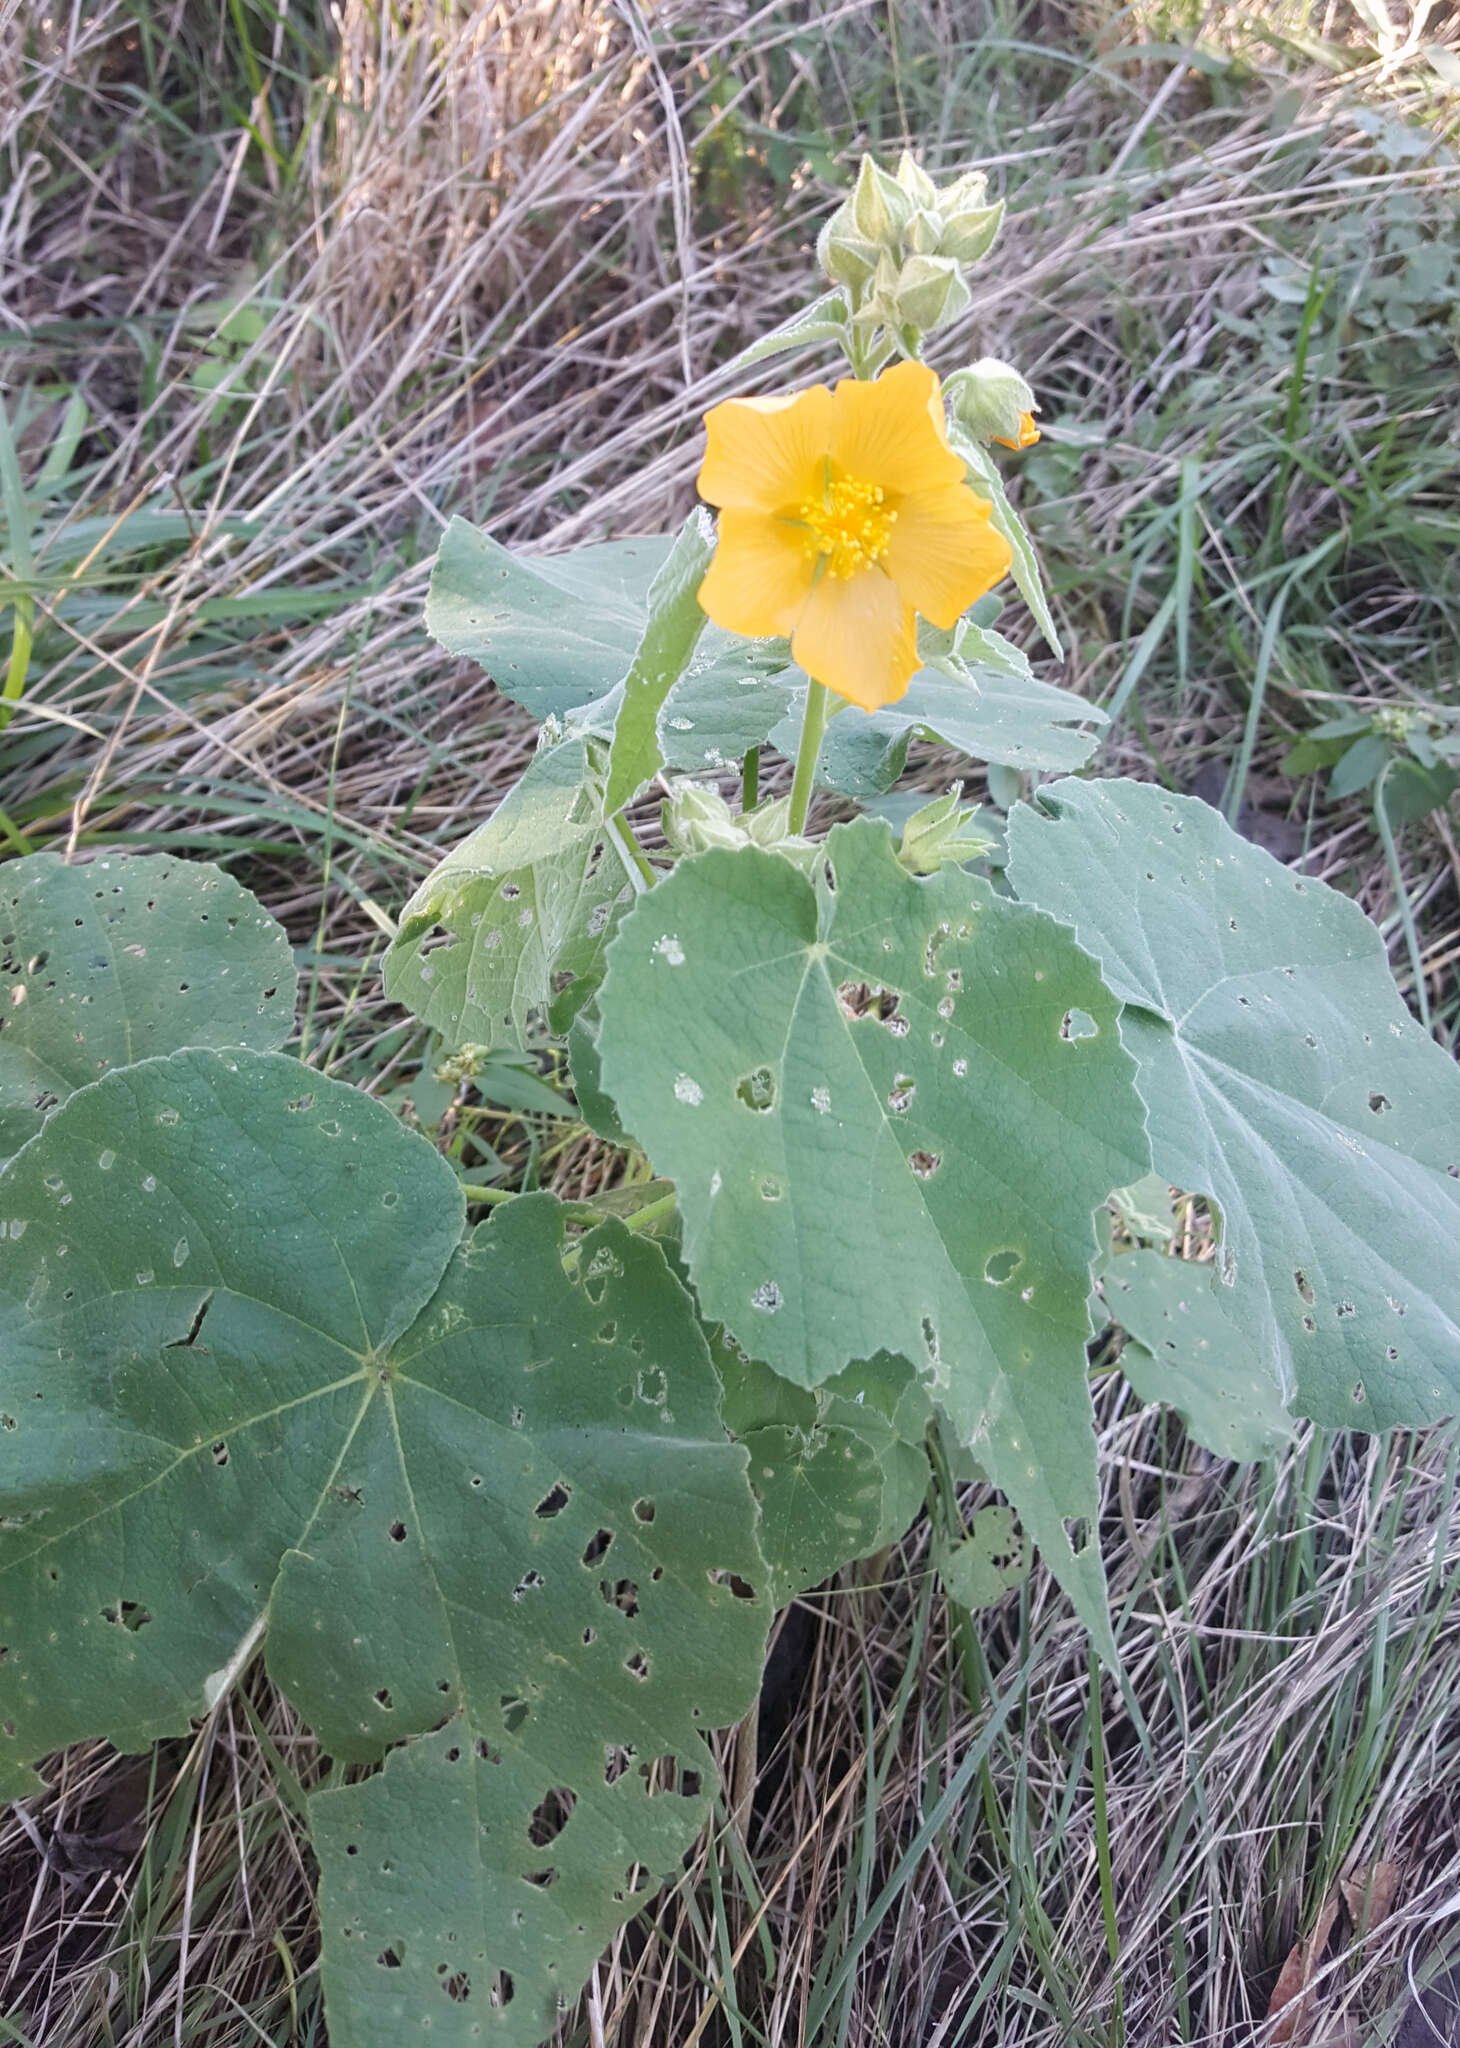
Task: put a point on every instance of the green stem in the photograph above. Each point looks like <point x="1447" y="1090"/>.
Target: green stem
<point x="641" y="874"/>
<point x="650" y="1213"/>
<point x="476" y="1192"/>
<point x="750" y="780"/>
<point x="813" y="731"/>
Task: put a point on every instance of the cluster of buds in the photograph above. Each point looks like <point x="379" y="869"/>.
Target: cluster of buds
<point x="696" y="818"/>
<point x="942" y="834"/>
<point x="899" y="244"/>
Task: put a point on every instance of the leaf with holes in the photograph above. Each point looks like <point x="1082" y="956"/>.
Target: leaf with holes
<point x="522" y="906"/>
<point x="1286" y="1081"/>
<point x="1187" y="1350"/>
<point x="820" y="1494"/>
<point x="990" y="1560"/>
<point x="890" y="1107"/>
<point x="838" y="1474"/>
<point x="116" y="960"/>
<point x="500" y="1499"/>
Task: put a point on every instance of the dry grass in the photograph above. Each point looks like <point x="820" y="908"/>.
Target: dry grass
<point x="497" y="261"/>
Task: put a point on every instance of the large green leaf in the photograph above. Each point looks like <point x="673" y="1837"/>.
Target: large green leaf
<point x="1286" y="1081"/>
<point x="552" y="631"/>
<point x="115" y="960"/>
<point x="500" y="1500"/>
<point x="890" y="1107"/>
<point x="527" y="900"/>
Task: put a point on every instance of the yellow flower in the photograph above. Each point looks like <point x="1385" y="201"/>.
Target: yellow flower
<point x="843" y="515"/>
<point x="1028" y="433"/>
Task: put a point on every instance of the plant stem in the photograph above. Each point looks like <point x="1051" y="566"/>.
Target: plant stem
<point x="475" y="1192"/>
<point x="813" y="730"/>
<point x="750" y="780"/>
<point x="641" y="874"/>
<point x="651" y="1212"/>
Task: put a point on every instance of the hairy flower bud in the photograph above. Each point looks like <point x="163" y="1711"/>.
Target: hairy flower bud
<point x="696" y="817"/>
<point x="841" y="252"/>
<point x="942" y="834"/>
<point x="880" y="207"/>
<point x="929" y="292"/>
<point x="990" y="400"/>
<point x="969" y="232"/>
<point x="925" y="232"/>
<point x="915" y="181"/>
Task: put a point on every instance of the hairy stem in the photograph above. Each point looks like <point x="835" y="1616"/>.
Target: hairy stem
<point x="813" y="731"/>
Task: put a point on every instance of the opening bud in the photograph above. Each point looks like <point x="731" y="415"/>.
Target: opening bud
<point x="990" y="400"/>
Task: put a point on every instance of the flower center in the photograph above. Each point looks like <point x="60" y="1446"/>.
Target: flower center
<point x="848" y="525"/>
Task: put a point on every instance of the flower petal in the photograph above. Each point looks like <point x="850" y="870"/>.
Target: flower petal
<point x="858" y="637"/>
<point x="943" y="553"/>
<point x="767" y="454"/>
<point x="760" y="577"/>
<point x="892" y="432"/>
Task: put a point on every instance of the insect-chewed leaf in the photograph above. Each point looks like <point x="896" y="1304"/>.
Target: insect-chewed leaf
<point x="990" y="1559"/>
<point x="558" y="1544"/>
<point x="201" y="1255"/>
<point x="118" y="960"/>
<point x="528" y="898"/>
<point x="890" y="1107"/>
<point x="1286" y="1081"/>
<point x="501" y="1499"/>
<point x="1186" y="1351"/>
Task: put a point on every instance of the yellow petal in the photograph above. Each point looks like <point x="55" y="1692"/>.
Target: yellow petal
<point x="892" y="432"/>
<point x="943" y="553"/>
<point x="767" y="454"/>
<point x="1028" y="434"/>
<point x="858" y="637"/>
<point x="760" y="577"/>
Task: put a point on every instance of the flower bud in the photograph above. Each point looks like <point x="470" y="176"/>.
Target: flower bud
<point x="942" y="834"/>
<point x="841" y="252"/>
<point x="696" y="817"/>
<point x="929" y="292"/>
<point x="991" y="401"/>
<point x="915" y="181"/>
<point x="925" y="231"/>
<point x="879" y="305"/>
<point x="965" y="193"/>
<point x="969" y="231"/>
<point x="880" y="207"/>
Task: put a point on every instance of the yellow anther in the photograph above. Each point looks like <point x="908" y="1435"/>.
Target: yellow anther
<point x="848" y="526"/>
